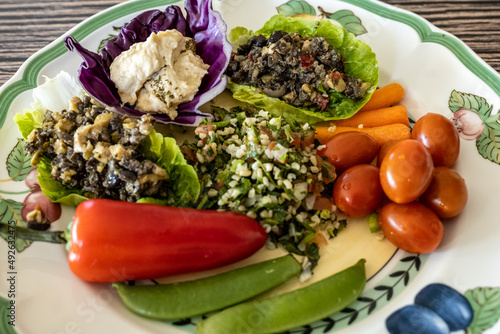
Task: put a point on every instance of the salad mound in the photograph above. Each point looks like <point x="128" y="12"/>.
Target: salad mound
<point x="269" y="169"/>
<point x="358" y="62"/>
<point x="201" y="23"/>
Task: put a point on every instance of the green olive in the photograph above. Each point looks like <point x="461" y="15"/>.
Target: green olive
<point x="291" y="309"/>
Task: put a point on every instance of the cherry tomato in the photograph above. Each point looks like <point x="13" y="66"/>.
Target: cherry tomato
<point x="440" y="136"/>
<point x="350" y="148"/>
<point x="447" y="193"/>
<point x="406" y="171"/>
<point x="413" y="227"/>
<point x="357" y="192"/>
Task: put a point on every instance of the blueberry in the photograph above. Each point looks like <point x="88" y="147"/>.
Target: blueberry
<point x="448" y="303"/>
<point x="416" y="319"/>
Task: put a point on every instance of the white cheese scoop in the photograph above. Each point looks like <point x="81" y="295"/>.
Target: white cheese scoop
<point x="159" y="74"/>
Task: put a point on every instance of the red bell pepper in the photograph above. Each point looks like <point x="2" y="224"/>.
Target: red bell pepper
<point x="115" y="241"/>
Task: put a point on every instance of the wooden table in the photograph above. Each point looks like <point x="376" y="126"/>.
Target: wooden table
<point x="27" y="26"/>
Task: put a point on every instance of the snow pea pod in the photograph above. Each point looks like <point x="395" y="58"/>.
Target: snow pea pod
<point x="291" y="309"/>
<point x="190" y="298"/>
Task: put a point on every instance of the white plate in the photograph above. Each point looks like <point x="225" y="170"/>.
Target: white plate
<point x="439" y="73"/>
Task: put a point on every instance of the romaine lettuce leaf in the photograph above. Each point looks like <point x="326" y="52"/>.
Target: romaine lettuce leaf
<point x="201" y="23"/>
<point x="55" y="190"/>
<point x="359" y="62"/>
<point x="183" y="184"/>
<point x="27" y="122"/>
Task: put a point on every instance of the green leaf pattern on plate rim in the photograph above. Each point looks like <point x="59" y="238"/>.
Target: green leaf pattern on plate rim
<point x="295" y="7"/>
<point x="488" y="141"/>
<point x="346" y="18"/>
<point x="10" y="210"/>
<point x="486" y="305"/>
<point x="18" y="163"/>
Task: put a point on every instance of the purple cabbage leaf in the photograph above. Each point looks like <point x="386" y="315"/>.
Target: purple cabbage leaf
<point x="201" y="23"/>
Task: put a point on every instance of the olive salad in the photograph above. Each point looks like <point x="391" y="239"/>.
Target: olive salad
<point x="301" y="71"/>
<point x="97" y="150"/>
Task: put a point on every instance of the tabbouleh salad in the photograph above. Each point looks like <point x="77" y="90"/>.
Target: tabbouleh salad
<point x="267" y="168"/>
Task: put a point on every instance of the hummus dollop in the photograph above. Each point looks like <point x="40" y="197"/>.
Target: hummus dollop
<point x="159" y="74"/>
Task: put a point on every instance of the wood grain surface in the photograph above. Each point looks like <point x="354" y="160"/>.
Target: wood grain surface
<point x="27" y="26"/>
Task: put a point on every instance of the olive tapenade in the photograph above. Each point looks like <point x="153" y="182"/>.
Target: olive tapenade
<point x="298" y="70"/>
<point x="98" y="151"/>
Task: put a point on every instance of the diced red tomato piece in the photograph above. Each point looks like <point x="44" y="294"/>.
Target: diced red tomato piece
<point x="308" y="138"/>
<point x="296" y="138"/>
<point x="322" y="101"/>
<point x="306" y="60"/>
<point x="205" y="128"/>
<point x="319" y="239"/>
<point x="323" y="203"/>
<point x="336" y="75"/>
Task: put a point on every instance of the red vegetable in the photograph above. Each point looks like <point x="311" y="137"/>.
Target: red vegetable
<point x="348" y="149"/>
<point x="357" y="192"/>
<point x="115" y="241"/>
<point x="406" y="171"/>
<point x="440" y="136"/>
<point x="413" y="227"/>
<point x="447" y="193"/>
<point x="306" y="60"/>
<point x="322" y="101"/>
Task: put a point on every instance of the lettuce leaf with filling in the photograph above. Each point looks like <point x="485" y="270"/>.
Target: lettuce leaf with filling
<point x="183" y="187"/>
<point x="359" y="61"/>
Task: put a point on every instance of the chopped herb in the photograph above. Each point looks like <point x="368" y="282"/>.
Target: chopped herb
<point x="373" y="223"/>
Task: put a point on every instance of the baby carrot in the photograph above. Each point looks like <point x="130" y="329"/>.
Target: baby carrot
<point x="190" y="298"/>
<point x="324" y="133"/>
<point x="377" y="117"/>
<point x="384" y="97"/>
<point x="291" y="309"/>
<point x="381" y="134"/>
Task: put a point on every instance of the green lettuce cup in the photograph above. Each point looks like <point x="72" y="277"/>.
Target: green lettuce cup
<point x="358" y="58"/>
